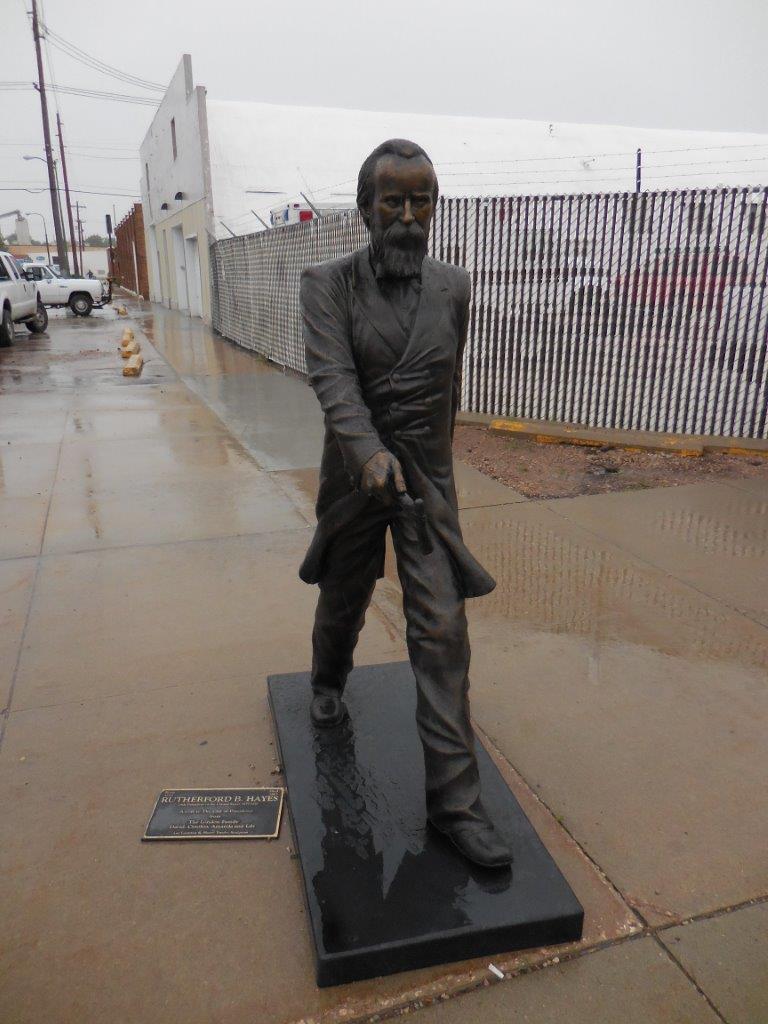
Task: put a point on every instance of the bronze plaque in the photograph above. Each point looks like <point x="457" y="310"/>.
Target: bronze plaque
<point x="216" y="814"/>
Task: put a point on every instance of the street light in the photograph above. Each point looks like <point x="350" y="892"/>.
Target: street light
<point x="32" y="213"/>
<point x="56" y="176"/>
<point x="55" y="167"/>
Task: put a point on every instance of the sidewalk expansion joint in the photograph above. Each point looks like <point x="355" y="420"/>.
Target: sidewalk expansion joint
<point x="691" y="979"/>
<point x="709" y="915"/>
<point x="6" y="711"/>
<point x="168" y="543"/>
<point x="497" y="753"/>
<point x="421" y="1002"/>
<point x="633" y="903"/>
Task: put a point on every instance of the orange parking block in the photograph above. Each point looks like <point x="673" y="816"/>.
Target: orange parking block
<point x="133" y="367"/>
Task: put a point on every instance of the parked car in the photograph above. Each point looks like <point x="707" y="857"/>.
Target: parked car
<point x="20" y="300"/>
<point x="81" y="294"/>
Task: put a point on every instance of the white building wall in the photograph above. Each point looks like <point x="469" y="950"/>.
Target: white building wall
<point x="166" y="174"/>
<point x="235" y="158"/>
<point x="264" y="155"/>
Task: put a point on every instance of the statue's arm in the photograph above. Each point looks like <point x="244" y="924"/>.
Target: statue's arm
<point x="332" y="371"/>
<point x="464" y="300"/>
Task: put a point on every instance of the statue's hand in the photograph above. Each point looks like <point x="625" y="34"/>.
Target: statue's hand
<point x="382" y="477"/>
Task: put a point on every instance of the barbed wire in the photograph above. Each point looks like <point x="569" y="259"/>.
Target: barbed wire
<point x="625" y="167"/>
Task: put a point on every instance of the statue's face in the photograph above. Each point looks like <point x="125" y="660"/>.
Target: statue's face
<point x="401" y="213"/>
<point x="403" y="191"/>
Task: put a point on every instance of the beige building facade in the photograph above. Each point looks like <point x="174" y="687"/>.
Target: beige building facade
<point x="176" y="197"/>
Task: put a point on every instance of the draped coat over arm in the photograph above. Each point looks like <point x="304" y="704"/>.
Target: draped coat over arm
<point x="380" y="390"/>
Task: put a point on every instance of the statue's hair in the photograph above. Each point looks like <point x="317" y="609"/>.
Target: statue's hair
<point x="392" y="147"/>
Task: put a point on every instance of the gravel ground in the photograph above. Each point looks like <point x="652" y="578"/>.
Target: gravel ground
<point x="564" y="471"/>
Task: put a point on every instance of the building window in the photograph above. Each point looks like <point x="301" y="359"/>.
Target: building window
<point x="173" y="136"/>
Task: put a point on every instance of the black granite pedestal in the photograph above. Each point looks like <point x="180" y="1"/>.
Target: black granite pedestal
<point x="386" y="893"/>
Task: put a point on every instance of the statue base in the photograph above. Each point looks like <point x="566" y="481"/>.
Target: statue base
<point x="385" y="892"/>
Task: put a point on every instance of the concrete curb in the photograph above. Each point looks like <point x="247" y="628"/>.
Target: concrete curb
<point x="544" y="432"/>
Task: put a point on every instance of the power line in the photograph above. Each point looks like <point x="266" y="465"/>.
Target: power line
<point x="98" y="94"/>
<point x="107" y="149"/>
<point x="89" y="93"/>
<point x="95" y="156"/>
<point x="80" y="191"/>
<point x="96" y="64"/>
<point x="34" y="184"/>
<point x="79" y="145"/>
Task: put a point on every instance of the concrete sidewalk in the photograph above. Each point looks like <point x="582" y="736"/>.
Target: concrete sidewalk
<point x="152" y="530"/>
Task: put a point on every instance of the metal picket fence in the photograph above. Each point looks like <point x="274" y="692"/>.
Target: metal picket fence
<point x="639" y="311"/>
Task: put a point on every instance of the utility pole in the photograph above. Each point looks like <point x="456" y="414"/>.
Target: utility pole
<point x="61" y="245"/>
<point x="80" y="237"/>
<point x="111" y="252"/>
<point x="66" y="194"/>
<point x="639" y="171"/>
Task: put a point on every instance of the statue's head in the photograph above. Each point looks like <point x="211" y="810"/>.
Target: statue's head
<point x="396" y="195"/>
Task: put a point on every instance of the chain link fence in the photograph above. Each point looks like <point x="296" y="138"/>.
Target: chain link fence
<point x="255" y="282"/>
<point x="639" y="311"/>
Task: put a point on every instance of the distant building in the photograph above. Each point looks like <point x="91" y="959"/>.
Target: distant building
<point x="21" y="230"/>
<point x="211" y="169"/>
<point x="95" y="258"/>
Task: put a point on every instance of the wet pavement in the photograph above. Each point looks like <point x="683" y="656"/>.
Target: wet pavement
<point x="152" y="530"/>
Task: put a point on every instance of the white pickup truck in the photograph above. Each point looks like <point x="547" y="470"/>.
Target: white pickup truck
<point x="20" y="300"/>
<point x="81" y="294"/>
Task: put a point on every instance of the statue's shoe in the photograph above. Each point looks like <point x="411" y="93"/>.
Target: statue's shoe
<point x="479" y="842"/>
<point x="327" y="710"/>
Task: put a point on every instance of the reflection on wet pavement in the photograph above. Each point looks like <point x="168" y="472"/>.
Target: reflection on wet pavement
<point x="713" y="537"/>
<point x="193" y="349"/>
<point x="554" y="577"/>
<point x="76" y="354"/>
<point x="265" y="408"/>
<point x="739" y="529"/>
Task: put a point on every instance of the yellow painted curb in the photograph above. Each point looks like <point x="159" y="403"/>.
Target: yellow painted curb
<point x="684" y="447"/>
<point x="744" y="451"/>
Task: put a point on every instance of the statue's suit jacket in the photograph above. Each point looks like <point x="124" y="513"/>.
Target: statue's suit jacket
<point x="382" y="391"/>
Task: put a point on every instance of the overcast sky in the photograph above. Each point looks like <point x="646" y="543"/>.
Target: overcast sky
<point x="690" y="64"/>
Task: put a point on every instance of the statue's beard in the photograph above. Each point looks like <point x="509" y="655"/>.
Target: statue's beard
<point x="399" y="251"/>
